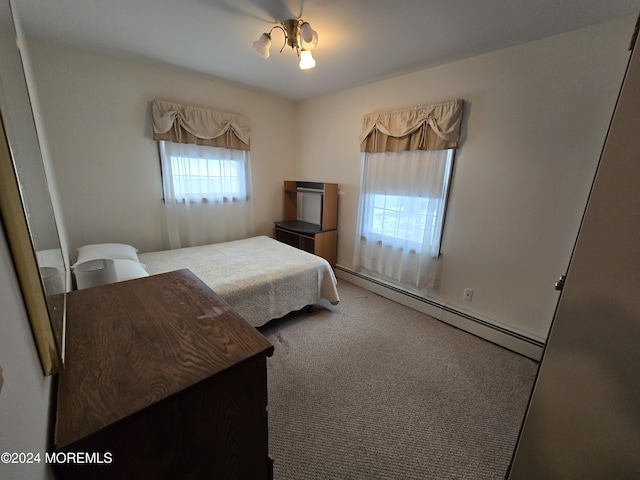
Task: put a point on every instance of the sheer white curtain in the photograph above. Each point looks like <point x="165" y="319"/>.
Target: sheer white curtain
<point x="402" y="205"/>
<point x="407" y="162"/>
<point x="207" y="194"/>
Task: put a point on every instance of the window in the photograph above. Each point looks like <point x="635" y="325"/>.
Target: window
<point x="206" y="174"/>
<point x="401" y="215"/>
<point x="407" y="160"/>
<point x="202" y="174"/>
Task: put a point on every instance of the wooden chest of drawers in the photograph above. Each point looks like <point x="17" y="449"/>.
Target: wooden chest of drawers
<point x="163" y="380"/>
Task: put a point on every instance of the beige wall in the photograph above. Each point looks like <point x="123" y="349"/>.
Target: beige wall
<point x="24" y="391"/>
<point x="535" y="121"/>
<point x="96" y="111"/>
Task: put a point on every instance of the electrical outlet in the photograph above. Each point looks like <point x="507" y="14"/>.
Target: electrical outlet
<point x="468" y="294"/>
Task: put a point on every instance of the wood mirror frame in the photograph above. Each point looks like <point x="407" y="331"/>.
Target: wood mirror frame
<point x="26" y="208"/>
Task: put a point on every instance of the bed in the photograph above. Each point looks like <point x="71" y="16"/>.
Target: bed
<point x="261" y="278"/>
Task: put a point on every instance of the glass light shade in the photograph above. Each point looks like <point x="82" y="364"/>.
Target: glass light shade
<point x="262" y="45"/>
<point x="306" y="60"/>
<point x="308" y="37"/>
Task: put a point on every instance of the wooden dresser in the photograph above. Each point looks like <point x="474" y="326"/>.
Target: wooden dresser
<point x="163" y="380"/>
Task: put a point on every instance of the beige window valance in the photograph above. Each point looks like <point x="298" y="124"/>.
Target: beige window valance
<point x="428" y="127"/>
<point x="185" y="124"/>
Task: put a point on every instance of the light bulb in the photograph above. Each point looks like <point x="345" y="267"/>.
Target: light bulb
<point x="306" y="60"/>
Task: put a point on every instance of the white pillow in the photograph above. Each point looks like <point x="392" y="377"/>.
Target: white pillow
<point x="106" y="251"/>
<point x="129" y="269"/>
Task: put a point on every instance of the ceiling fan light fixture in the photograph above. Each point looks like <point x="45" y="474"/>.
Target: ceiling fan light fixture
<point x="298" y="34"/>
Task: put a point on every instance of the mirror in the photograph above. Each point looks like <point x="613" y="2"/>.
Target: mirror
<point x="25" y="203"/>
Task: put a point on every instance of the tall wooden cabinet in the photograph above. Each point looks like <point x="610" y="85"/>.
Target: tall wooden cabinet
<point x="317" y="234"/>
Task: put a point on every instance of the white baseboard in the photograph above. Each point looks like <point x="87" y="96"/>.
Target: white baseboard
<point x="481" y="328"/>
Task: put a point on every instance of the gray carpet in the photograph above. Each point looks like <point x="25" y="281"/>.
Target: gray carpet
<point x="372" y="390"/>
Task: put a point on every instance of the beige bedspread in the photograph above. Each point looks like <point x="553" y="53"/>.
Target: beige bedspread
<point x="259" y="277"/>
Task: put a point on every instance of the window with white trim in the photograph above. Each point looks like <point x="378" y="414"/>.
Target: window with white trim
<point x="401" y="214"/>
<point x="203" y="174"/>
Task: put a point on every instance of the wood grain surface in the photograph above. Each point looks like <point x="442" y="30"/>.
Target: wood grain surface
<point x="133" y="344"/>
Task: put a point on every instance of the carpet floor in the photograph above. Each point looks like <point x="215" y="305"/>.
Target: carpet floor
<point x="372" y="390"/>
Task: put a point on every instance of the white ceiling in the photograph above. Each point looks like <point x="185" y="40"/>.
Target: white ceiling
<point x="360" y="41"/>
